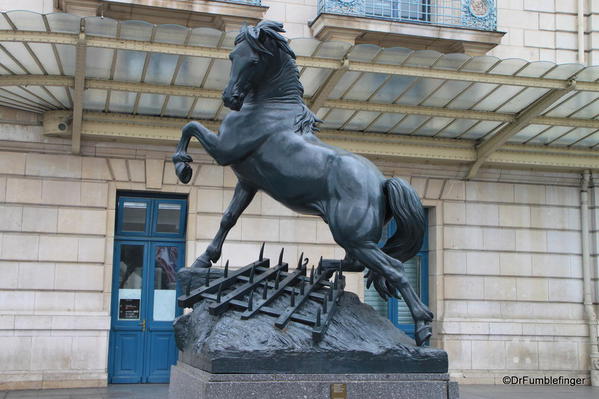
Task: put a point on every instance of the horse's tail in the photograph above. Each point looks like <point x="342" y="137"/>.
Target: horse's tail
<point x="409" y="215"/>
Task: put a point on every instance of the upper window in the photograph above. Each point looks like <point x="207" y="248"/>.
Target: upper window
<point x="415" y="10"/>
<point x="469" y="14"/>
<point x="416" y="24"/>
<point x="146" y="217"/>
<point x="168" y="219"/>
<point x="134" y="216"/>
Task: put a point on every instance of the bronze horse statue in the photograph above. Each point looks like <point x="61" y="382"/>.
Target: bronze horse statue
<point x="270" y="143"/>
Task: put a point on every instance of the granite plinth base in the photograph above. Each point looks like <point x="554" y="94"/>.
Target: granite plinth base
<point x="188" y="382"/>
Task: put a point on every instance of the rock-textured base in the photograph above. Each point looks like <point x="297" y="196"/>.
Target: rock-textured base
<point x="191" y="383"/>
<point x="358" y="340"/>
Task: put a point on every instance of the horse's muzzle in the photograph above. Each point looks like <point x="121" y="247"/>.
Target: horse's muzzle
<point x="183" y="171"/>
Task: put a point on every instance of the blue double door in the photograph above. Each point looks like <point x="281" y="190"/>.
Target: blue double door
<point x="149" y="249"/>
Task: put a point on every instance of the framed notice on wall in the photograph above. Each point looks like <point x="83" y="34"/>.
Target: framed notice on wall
<point x="129" y="309"/>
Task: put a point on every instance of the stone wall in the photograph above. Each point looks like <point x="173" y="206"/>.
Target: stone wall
<point x="53" y="304"/>
<point x="295" y="14"/>
<point x="41" y="6"/>
<point x="594" y="226"/>
<point x="513" y="281"/>
<point x="592" y="29"/>
<point x="538" y="30"/>
<point x="53" y="317"/>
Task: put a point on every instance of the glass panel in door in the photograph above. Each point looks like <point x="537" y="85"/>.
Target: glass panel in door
<point x="130" y="281"/>
<point x="166" y="262"/>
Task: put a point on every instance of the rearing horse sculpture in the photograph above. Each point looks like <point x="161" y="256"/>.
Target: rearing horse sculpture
<point x="270" y="144"/>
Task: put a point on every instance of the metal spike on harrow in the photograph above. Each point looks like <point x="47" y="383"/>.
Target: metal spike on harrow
<point x="236" y="289"/>
<point x="281" y="256"/>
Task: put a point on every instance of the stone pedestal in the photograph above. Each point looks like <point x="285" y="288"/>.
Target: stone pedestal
<point x="188" y="382"/>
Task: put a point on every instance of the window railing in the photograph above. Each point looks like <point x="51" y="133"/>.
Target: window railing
<point x="470" y="14"/>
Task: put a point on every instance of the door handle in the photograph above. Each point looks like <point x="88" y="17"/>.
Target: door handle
<point x="143" y="325"/>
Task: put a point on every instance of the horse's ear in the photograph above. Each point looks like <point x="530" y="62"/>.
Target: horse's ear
<point x="262" y="35"/>
<point x="257" y="39"/>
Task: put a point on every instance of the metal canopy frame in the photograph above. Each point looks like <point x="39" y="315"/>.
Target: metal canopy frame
<point x="523" y="119"/>
<point x="369" y="98"/>
<point x="139" y="128"/>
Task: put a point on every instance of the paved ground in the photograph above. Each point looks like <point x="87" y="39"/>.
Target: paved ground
<point x="527" y="392"/>
<point x="160" y="391"/>
<point x="119" y="391"/>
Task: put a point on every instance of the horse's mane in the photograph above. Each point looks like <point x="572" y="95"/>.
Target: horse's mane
<point x="261" y="39"/>
<point x="271" y="29"/>
<point x="305" y="121"/>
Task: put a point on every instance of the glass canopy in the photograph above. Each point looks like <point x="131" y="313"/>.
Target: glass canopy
<point x="133" y="67"/>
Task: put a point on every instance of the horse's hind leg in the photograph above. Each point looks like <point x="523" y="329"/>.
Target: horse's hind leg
<point x="241" y="199"/>
<point x="393" y="271"/>
<point x="356" y="226"/>
<point x="347" y="264"/>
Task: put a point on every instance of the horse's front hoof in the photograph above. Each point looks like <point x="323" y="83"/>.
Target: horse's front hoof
<point x="183" y="171"/>
<point x="423" y="333"/>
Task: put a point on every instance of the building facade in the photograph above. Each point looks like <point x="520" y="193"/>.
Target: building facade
<point x="512" y="256"/>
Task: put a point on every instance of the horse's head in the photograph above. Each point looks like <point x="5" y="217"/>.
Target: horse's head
<point x="255" y="50"/>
